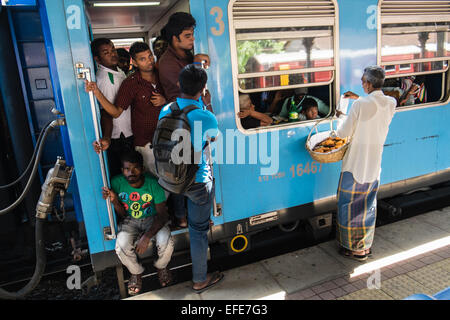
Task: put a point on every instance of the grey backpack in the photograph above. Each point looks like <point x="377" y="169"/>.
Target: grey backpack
<point x="173" y="175"/>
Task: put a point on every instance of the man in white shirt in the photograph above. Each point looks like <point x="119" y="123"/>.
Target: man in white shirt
<point x="117" y="133"/>
<point x="367" y="125"/>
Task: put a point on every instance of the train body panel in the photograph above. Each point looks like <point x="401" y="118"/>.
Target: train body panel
<point x="262" y="170"/>
<point x="69" y="36"/>
<point x="298" y="179"/>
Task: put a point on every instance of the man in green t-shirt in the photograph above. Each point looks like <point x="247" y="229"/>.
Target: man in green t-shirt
<point x="140" y="201"/>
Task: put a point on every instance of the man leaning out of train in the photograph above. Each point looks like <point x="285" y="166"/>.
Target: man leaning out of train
<point x="141" y="202"/>
<point x="367" y="125"/>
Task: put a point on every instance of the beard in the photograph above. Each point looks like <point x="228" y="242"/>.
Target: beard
<point x="133" y="179"/>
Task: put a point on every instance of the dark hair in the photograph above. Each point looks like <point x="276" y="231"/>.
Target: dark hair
<point x="138" y="47"/>
<point x="132" y="156"/>
<point x="123" y="53"/>
<point x="309" y="103"/>
<point x="178" y="22"/>
<point x="375" y="75"/>
<point x="192" y="79"/>
<point x="158" y="52"/>
<point x="163" y="34"/>
<point x="158" y="38"/>
<point x="97" y="43"/>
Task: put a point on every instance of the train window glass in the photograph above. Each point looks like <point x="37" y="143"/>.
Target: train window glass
<point x="280" y="48"/>
<point x="414" y="50"/>
<point x="389" y="68"/>
<point x="276" y="57"/>
<point x="425" y="43"/>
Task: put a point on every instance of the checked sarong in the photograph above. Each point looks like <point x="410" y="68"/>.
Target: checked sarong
<point x="356" y="214"/>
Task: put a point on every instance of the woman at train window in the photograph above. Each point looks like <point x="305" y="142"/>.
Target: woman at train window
<point x="299" y="95"/>
<point x="249" y="117"/>
<point x="407" y="91"/>
<point x="270" y="102"/>
<point x="367" y="125"/>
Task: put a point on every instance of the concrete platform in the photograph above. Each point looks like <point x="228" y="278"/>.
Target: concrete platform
<point x="409" y="256"/>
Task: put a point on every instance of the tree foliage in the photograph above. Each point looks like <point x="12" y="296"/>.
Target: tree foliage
<point x="248" y="49"/>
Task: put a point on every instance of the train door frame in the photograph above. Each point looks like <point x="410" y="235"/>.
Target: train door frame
<point x="68" y="44"/>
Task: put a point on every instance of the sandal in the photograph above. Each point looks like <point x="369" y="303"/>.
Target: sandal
<point x="135" y="284"/>
<point x="349" y="254"/>
<point x="165" y="277"/>
<point x="216" y="277"/>
<point x="182" y="222"/>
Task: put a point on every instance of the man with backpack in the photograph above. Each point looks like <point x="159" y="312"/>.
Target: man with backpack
<point x="179" y="35"/>
<point x="198" y="182"/>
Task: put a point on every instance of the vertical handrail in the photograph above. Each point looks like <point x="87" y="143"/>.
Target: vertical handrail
<point x="216" y="212"/>
<point x="87" y="75"/>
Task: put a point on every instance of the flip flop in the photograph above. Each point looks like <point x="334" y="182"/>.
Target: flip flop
<point x="349" y="254"/>
<point x="215" y="279"/>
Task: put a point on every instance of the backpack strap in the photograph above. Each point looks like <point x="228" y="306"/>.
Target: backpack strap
<point x="174" y="107"/>
<point x="189" y="108"/>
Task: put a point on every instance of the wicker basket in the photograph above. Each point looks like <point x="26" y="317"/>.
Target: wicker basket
<point x="314" y="139"/>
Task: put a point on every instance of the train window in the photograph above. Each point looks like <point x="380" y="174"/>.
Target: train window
<point x="276" y="57"/>
<point x="281" y="47"/>
<point x="414" y="50"/>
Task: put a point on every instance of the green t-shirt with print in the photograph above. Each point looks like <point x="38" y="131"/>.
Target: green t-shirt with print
<point x="140" y="202"/>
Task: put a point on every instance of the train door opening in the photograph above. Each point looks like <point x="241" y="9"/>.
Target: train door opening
<point x="28" y="98"/>
<point x="128" y="24"/>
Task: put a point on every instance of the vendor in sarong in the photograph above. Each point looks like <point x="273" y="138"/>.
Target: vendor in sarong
<point x="367" y="124"/>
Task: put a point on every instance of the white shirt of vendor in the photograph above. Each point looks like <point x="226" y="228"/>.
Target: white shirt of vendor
<point x="109" y="81"/>
<point x="367" y="124"/>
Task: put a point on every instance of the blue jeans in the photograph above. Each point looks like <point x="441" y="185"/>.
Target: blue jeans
<point x="199" y="211"/>
<point x="177" y="201"/>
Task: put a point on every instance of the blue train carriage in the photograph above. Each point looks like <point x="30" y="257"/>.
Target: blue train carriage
<point x="264" y="176"/>
<point x="264" y="47"/>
